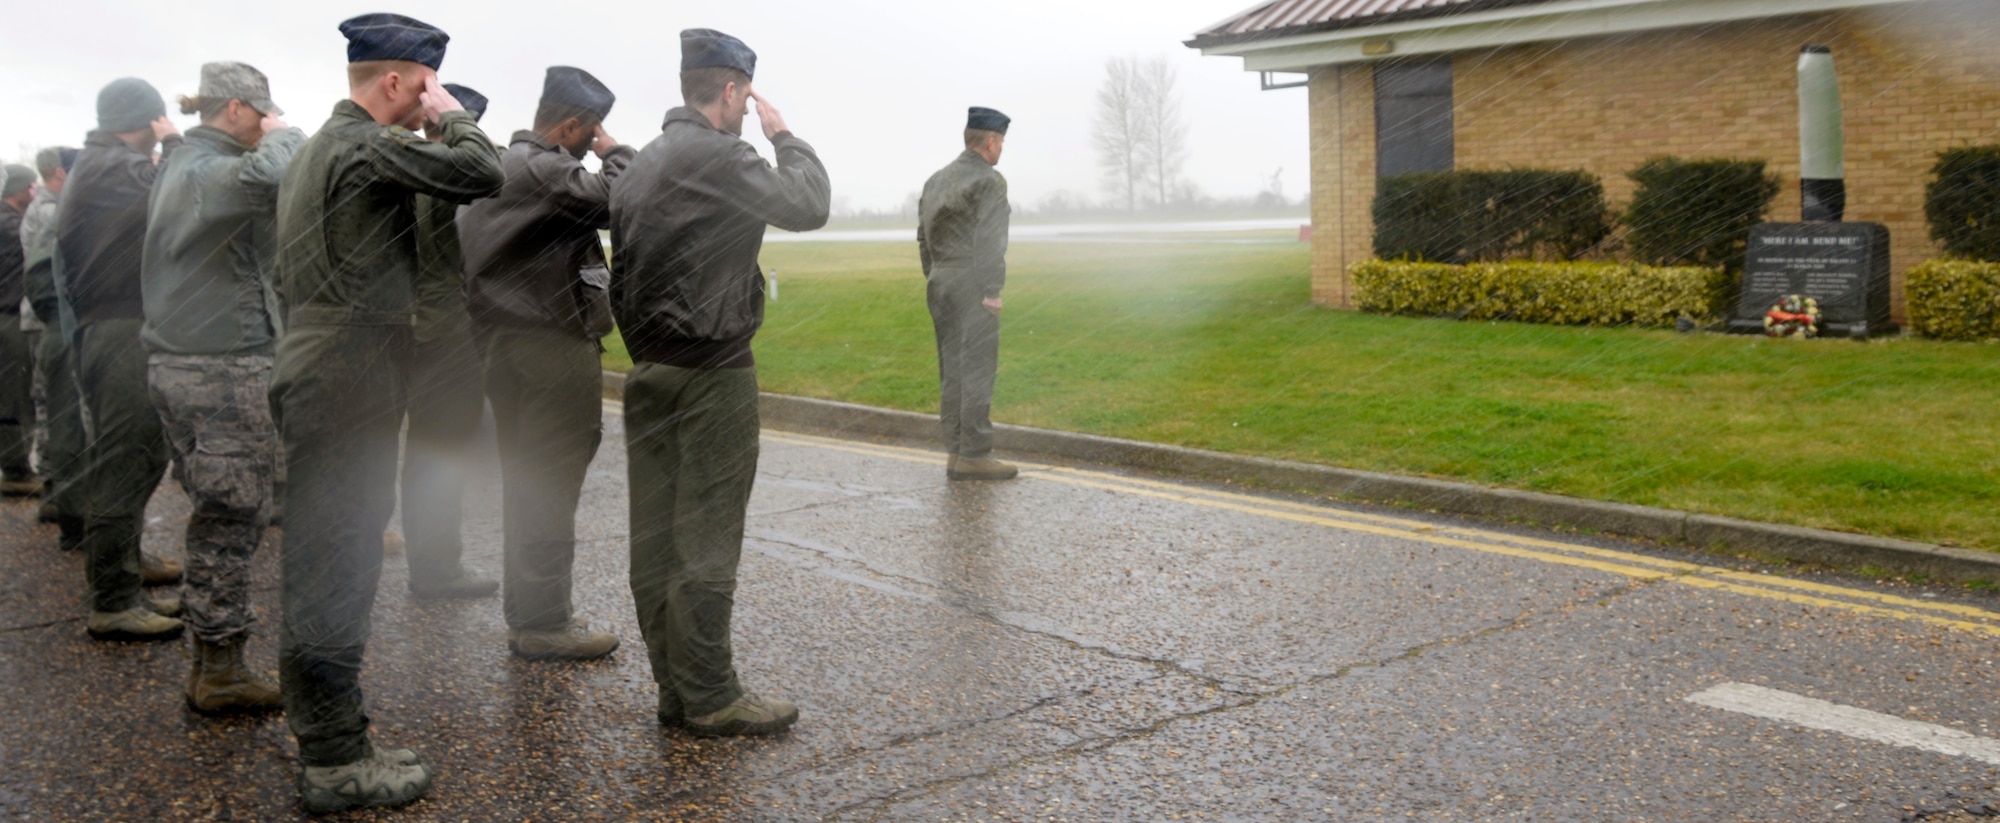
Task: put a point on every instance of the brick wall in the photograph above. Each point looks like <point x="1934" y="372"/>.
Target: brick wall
<point x="1915" y="78"/>
<point x="1342" y="103"/>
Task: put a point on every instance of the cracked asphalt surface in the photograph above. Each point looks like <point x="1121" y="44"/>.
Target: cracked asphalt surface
<point x="1073" y="645"/>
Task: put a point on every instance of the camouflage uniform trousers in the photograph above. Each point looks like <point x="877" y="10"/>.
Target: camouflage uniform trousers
<point x="217" y="414"/>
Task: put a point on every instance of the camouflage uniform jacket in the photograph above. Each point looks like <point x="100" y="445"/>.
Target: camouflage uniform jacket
<point x="38" y="241"/>
<point x="523" y="249"/>
<point x="347" y="252"/>
<point x="962" y="226"/>
<point x="208" y="244"/>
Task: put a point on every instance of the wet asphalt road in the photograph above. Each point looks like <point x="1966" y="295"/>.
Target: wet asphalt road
<point x="1073" y="645"/>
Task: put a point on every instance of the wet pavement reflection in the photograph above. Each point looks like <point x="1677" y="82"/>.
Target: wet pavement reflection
<point x="1072" y="645"/>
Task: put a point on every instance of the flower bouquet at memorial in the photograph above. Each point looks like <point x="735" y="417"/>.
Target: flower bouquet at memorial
<point x="1795" y="316"/>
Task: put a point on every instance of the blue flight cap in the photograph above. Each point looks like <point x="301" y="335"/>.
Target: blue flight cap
<point x="393" y="37"/>
<point x="576" y="87"/>
<point x="69" y="158"/>
<point x="472" y="101"/>
<point x="985" y="119"/>
<point x="708" y="48"/>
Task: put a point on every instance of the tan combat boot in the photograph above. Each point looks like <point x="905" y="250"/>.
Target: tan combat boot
<point x="218" y="683"/>
<point x="572" y="642"/>
<point x="978" y="468"/>
<point x="20" y="485"/>
<point x="158" y="571"/>
<point x="138" y="623"/>
<point x="749" y="715"/>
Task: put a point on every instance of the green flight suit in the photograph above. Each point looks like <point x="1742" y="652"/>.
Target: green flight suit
<point x="962" y="241"/>
<point x="687" y="222"/>
<point x="526" y="252"/>
<point x="101" y="237"/>
<point x="17" y="370"/>
<point x="446" y="402"/>
<point x="347" y="272"/>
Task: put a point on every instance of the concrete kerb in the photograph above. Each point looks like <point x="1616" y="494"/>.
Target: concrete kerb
<point x="1840" y="550"/>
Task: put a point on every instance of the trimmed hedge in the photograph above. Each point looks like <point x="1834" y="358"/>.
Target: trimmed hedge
<point x="1954" y="299"/>
<point x="1468" y="216"/>
<point x="1963" y="203"/>
<point x="1697" y="212"/>
<point x="1595" y="294"/>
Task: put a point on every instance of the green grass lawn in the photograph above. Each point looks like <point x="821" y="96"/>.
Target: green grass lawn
<point x="1217" y="347"/>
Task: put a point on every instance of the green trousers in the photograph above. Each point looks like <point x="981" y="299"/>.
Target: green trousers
<point x="127" y="458"/>
<point x="338" y="395"/>
<point x="547" y="390"/>
<point x="62" y="459"/>
<point x="446" y="402"/>
<point x="17" y="397"/>
<point x="968" y="342"/>
<point x="691" y="457"/>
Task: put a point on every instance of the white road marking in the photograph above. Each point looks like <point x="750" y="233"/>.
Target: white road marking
<point x="1812" y="713"/>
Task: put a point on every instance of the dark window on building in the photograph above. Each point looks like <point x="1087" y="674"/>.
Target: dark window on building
<point x="1413" y="117"/>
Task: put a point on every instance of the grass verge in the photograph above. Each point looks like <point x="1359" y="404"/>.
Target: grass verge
<point x="1215" y="346"/>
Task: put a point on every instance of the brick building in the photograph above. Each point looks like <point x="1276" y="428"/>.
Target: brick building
<point x="1603" y="85"/>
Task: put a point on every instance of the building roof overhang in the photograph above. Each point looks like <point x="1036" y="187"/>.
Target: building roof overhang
<point x="1474" y="25"/>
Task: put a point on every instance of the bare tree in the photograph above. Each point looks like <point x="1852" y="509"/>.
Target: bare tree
<point x="1140" y="136"/>
<point x="1118" y="132"/>
<point x="1162" y="133"/>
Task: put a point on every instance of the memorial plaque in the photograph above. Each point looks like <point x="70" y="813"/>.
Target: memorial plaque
<point x="1844" y="266"/>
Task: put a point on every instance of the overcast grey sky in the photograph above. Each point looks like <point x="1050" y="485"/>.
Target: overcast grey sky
<point x="880" y="87"/>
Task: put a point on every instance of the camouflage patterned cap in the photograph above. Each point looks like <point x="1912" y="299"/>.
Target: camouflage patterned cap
<point x="237" y="81"/>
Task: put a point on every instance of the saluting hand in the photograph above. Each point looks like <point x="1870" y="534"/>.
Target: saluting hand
<point x="768" y="117"/>
<point x="271" y="123"/>
<point x="164" y="128"/>
<point x="602" y="142"/>
<point x="436" y="101"/>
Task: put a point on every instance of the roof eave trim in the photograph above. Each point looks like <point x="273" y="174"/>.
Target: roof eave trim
<point x="1561" y="20"/>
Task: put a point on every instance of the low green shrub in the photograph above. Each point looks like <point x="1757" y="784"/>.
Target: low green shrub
<point x="1595" y="294"/>
<point x="1954" y="299"/>
<point x="1963" y="202"/>
<point x="1697" y="212"/>
<point x="1468" y="216"/>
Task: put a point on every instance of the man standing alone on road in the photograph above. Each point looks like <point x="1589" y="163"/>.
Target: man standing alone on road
<point x="101" y="237"/>
<point x="347" y="271"/>
<point x="17" y="359"/>
<point x="208" y="250"/>
<point x="687" y="222"/>
<point x="535" y="280"/>
<point x="962" y="240"/>
<point x="446" y="399"/>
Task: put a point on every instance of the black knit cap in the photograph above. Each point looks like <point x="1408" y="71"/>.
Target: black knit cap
<point x="393" y="37"/>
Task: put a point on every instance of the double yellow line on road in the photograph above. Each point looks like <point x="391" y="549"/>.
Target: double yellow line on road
<point x="1627" y="564"/>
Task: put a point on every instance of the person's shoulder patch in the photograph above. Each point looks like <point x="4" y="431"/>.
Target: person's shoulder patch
<point x="401" y="136"/>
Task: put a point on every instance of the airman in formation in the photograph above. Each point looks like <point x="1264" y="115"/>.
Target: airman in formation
<point x="262" y="309"/>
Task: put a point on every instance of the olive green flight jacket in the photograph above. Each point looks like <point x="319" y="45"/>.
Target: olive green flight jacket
<point x="347" y="213"/>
